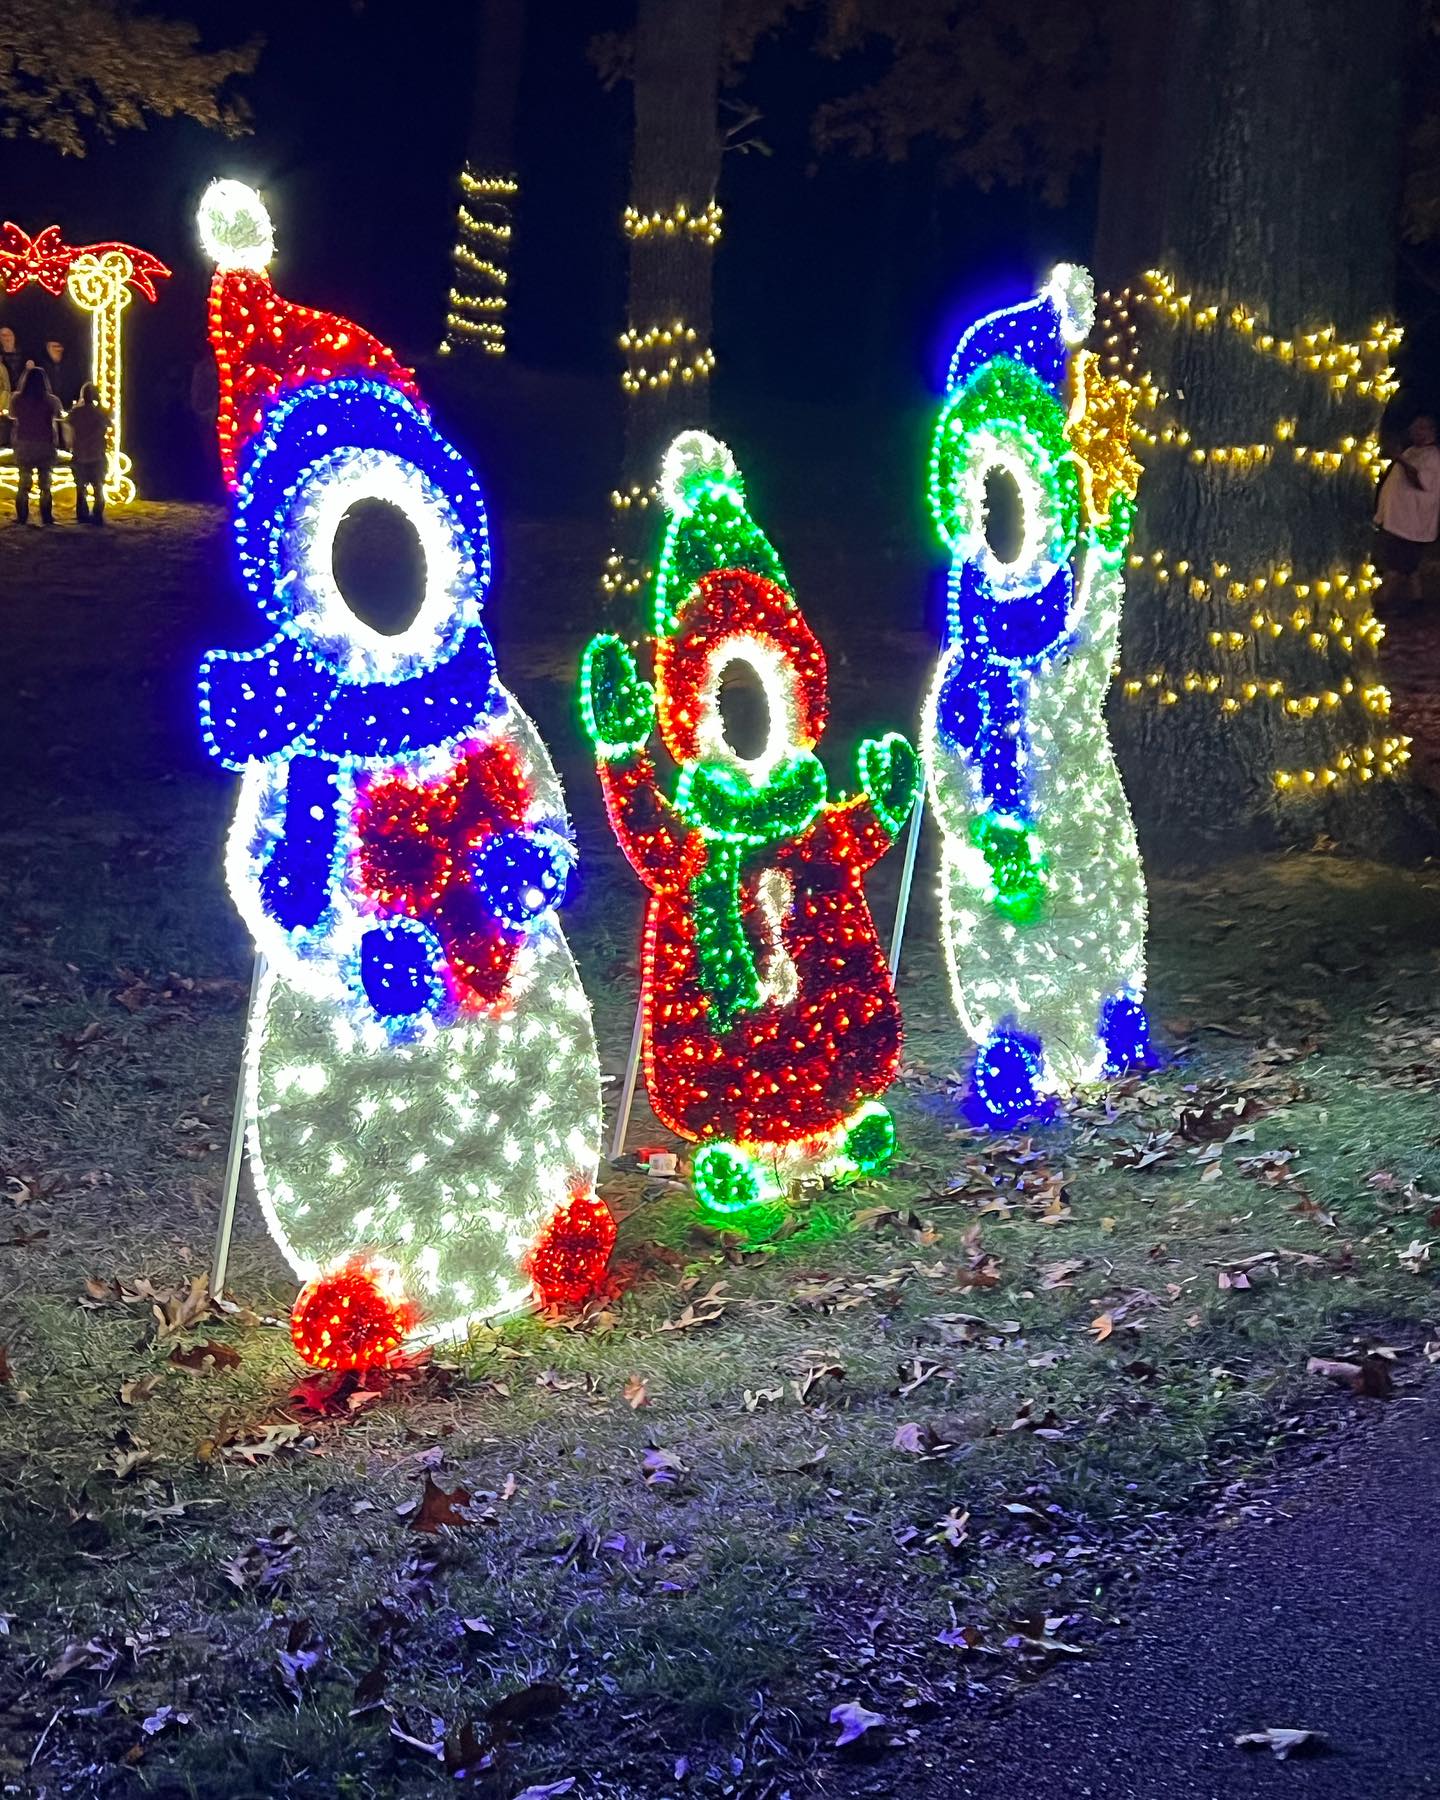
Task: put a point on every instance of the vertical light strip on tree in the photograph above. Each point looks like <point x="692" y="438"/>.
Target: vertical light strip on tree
<point x="480" y="263"/>
<point x="671" y="228"/>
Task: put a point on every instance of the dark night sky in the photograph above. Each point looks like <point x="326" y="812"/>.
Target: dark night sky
<point x="360" y="119"/>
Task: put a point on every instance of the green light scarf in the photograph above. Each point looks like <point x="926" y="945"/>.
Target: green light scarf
<point x="734" y="817"/>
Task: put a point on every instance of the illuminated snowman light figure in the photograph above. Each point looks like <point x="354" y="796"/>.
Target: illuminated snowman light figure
<point x="423" y="1080"/>
<point x="1042" y="889"/>
<point x="771" y="1030"/>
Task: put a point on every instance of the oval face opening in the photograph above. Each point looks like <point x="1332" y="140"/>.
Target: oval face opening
<point x="744" y="710"/>
<point x="379" y="566"/>
<point x="1004" y="515"/>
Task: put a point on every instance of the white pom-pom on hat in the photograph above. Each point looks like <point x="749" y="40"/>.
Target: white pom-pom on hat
<point x="235" y="227"/>
<point x="1072" y="289"/>
<point x="693" y="460"/>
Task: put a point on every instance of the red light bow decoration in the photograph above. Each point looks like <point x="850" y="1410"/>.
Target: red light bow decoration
<point x="48" y="259"/>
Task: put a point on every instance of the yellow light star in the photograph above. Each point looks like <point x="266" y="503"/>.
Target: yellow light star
<point x="1099" y="428"/>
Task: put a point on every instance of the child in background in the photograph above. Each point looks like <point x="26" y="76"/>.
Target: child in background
<point x="88" y="423"/>
<point x="1407" y="516"/>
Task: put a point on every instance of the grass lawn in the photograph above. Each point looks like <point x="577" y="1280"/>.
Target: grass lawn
<point x="911" y="1449"/>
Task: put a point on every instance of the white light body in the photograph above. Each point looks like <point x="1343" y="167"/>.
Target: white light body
<point x="1051" y="976"/>
<point x="444" y="1154"/>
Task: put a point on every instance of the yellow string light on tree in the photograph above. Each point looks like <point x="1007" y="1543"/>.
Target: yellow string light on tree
<point x="676" y="353"/>
<point x="1360" y="762"/>
<point x="670" y="238"/>
<point x="484" y="226"/>
<point x="1233" y="693"/>
<point x="678" y="221"/>
<point x="1328" y="614"/>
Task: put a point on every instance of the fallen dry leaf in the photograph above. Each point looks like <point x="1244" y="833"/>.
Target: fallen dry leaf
<point x="260" y="1442"/>
<point x="204" y="1359"/>
<point x="854" y="1721"/>
<point x="539" y="1700"/>
<point x="177" y="1312"/>
<point x="1282" y="1739"/>
<point x="920" y="1440"/>
<point x="917" y="1371"/>
<point x="704" y="1311"/>
<point x="126" y="1457"/>
<point x="816" y="1381"/>
<point x="369" y="1695"/>
<point x="952" y="1531"/>
<point x="1370" y="1376"/>
<point x="661" y="1467"/>
<point x="265" y="1566"/>
<point x="95" y="1655"/>
<point x="163" y="1719"/>
<point x="637" y="1393"/>
<point x="304" y="1650"/>
<point x="437" y="1508"/>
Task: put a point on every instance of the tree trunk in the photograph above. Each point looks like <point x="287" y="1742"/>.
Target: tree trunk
<point x="672" y="225"/>
<point x="478" y="302"/>
<point x="1253" y="156"/>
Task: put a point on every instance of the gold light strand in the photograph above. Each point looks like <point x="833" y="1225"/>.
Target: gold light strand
<point x="1233" y="693"/>
<point x="488" y="187"/>
<point x="1365" y="361"/>
<point x="1360" y="455"/>
<point x="704" y="226"/>
<point x="1358" y="762"/>
<point x="1316" y="621"/>
<point x="623" y="577"/>
<point x="675" y="354"/>
<point x="101" y="286"/>
<point x="476" y="316"/>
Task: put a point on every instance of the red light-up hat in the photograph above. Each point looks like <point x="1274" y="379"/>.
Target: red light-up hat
<point x="264" y="344"/>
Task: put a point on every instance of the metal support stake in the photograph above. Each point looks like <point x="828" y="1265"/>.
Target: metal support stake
<point x="632" y="1075"/>
<point x="220" y="1261"/>
<point x="907" y="877"/>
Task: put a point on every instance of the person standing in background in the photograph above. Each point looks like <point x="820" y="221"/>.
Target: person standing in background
<point x="12" y="367"/>
<point x="11" y="356"/>
<point x="1407" y="514"/>
<point x="89" y="426"/>
<point x="57" y="371"/>
<point x="36" y="413"/>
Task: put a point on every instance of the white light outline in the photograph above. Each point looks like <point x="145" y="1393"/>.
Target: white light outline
<point x="780" y="685"/>
<point x="330" y="487"/>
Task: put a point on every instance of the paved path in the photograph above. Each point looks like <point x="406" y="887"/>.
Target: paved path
<point x="1328" y="1618"/>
